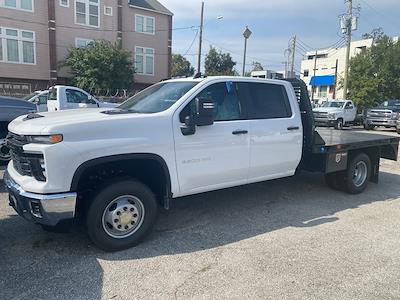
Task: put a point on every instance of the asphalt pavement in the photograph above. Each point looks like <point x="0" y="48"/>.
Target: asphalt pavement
<point x="292" y="238"/>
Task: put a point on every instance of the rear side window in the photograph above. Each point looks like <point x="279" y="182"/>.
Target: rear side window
<point x="268" y="101"/>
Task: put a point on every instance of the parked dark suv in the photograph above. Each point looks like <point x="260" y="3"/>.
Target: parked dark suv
<point x="386" y="114"/>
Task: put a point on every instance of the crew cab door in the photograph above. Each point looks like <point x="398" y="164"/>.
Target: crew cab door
<point x="215" y="156"/>
<point x="276" y="136"/>
<point x="350" y="112"/>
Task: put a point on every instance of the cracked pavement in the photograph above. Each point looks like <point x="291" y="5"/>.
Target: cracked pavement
<point x="292" y="238"/>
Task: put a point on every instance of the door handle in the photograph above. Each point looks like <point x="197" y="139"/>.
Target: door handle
<point x="293" y="128"/>
<point x="237" y="132"/>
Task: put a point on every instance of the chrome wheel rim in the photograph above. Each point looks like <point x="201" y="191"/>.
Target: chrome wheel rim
<point x="4" y="152"/>
<point x="360" y="173"/>
<point x="340" y="124"/>
<point x="123" y="216"/>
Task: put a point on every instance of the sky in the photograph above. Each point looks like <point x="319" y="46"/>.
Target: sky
<point x="273" y="23"/>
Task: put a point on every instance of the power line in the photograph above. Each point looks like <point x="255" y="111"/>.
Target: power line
<point x="96" y="29"/>
<point x="191" y="44"/>
<point x="377" y="12"/>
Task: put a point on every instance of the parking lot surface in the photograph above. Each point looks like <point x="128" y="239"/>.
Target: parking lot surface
<point x="292" y="238"/>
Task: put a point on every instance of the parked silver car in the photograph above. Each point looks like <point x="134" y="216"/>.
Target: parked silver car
<point x="10" y="108"/>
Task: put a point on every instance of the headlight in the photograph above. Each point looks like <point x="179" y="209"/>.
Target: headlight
<point x="395" y="115"/>
<point x="45" y="139"/>
<point x="332" y="116"/>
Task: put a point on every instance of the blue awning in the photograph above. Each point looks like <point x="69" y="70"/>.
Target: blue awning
<point x="322" y="80"/>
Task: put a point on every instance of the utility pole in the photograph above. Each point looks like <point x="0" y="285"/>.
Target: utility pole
<point x="246" y="34"/>
<point x="336" y="73"/>
<point x="200" y="38"/>
<point x="349" y="28"/>
<point x="293" y="52"/>
<point x="313" y="81"/>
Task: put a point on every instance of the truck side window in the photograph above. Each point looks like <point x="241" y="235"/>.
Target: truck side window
<point x="349" y="105"/>
<point x="42" y="99"/>
<point x="76" y="96"/>
<point x="268" y="101"/>
<point x="224" y="96"/>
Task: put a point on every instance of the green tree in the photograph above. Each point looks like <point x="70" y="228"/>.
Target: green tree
<point x="257" y="66"/>
<point x="101" y="65"/>
<point x="218" y="63"/>
<point x="376" y="34"/>
<point x="181" y="66"/>
<point x="375" y="73"/>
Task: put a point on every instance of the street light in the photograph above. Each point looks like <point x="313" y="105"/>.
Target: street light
<point x="246" y="34"/>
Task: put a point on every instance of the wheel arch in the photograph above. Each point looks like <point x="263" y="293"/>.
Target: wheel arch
<point x="155" y="159"/>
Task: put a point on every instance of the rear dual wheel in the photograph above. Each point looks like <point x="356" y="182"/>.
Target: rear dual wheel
<point x="355" y="179"/>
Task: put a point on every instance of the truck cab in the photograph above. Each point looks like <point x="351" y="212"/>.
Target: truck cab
<point x="61" y="97"/>
<point x="335" y="113"/>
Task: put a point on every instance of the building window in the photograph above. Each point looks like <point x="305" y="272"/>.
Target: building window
<point x="144" y="24"/>
<point x="82" y="43"/>
<point x="87" y="12"/>
<point x="144" y="61"/>
<point x="323" y="91"/>
<point x="64" y="3"/>
<point x="306" y="73"/>
<point x="18" y="4"/>
<point x="17" y="46"/>
<point x="108" y="10"/>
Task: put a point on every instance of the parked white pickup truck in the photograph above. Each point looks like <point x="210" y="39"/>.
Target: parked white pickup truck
<point x="335" y="113"/>
<point x="62" y="97"/>
<point x="114" y="168"/>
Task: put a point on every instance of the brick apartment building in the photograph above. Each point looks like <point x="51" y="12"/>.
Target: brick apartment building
<point x="35" y="36"/>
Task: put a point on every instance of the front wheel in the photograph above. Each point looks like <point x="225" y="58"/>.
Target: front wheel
<point x="339" y="124"/>
<point x="368" y="127"/>
<point x="5" y="154"/>
<point x="121" y="215"/>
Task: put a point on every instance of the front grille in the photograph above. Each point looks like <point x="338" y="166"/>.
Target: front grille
<point x="320" y="115"/>
<point x="26" y="164"/>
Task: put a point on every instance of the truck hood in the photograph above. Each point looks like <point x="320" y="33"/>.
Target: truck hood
<point x="56" y="122"/>
<point x="327" y="110"/>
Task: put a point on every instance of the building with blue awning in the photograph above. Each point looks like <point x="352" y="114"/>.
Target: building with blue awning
<point x="329" y="67"/>
<point x="327" y="80"/>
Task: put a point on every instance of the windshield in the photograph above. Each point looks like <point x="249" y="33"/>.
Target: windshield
<point x="335" y="104"/>
<point x="390" y="104"/>
<point x="30" y="96"/>
<point x="158" y="97"/>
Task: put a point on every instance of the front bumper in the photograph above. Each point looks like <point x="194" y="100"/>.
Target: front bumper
<point x="381" y="122"/>
<point x="37" y="208"/>
<point x="325" y="122"/>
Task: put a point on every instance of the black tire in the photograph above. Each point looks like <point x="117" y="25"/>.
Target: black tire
<point x="369" y="127"/>
<point x="97" y="210"/>
<point x="349" y="183"/>
<point x="339" y="124"/>
<point x="335" y="180"/>
<point x="5" y="155"/>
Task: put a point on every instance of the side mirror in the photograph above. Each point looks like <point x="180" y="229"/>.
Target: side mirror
<point x="204" y="116"/>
